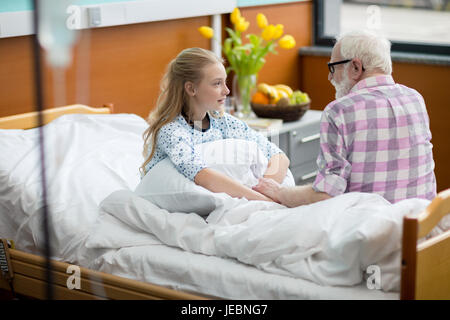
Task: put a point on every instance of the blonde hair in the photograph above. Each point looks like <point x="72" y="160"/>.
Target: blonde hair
<point x="173" y="99"/>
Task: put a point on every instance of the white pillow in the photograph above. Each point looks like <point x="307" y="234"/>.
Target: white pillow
<point x="239" y="159"/>
<point x="242" y="160"/>
<point x="164" y="186"/>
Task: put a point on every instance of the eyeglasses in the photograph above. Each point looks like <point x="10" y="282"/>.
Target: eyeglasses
<point x="332" y="64"/>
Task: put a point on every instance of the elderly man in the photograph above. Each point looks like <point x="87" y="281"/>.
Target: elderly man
<point x="374" y="137"/>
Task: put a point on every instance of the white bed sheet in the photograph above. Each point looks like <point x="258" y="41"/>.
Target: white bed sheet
<point x="220" y="277"/>
<point x="331" y="243"/>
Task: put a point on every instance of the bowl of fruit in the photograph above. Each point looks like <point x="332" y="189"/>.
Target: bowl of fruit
<point x="279" y="101"/>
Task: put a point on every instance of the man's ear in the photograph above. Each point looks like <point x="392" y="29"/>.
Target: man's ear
<point x="190" y="88"/>
<point x="356" y="69"/>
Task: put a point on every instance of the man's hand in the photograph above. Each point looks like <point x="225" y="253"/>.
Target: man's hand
<point x="269" y="188"/>
<point x="289" y="196"/>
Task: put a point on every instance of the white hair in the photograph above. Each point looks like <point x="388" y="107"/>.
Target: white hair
<point x="373" y="50"/>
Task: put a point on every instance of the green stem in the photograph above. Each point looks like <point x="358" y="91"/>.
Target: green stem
<point x="246" y="83"/>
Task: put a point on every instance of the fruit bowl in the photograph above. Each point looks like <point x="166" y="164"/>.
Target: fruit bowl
<point x="292" y="112"/>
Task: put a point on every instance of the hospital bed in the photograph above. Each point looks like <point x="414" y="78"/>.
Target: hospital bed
<point x="166" y="272"/>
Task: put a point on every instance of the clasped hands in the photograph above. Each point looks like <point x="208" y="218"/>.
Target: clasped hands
<point x="270" y="188"/>
<point x="289" y="196"/>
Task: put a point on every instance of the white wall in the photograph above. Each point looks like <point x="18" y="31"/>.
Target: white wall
<point x="19" y="23"/>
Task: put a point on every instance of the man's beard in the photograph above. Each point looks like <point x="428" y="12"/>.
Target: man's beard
<point x="342" y="88"/>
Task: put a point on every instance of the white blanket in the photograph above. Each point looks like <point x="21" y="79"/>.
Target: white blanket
<point x="331" y="243"/>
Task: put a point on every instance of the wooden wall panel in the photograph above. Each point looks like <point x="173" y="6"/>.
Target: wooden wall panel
<point x="430" y="80"/>
<point x="16" y="79"/>
<point x="122" y="65"/>
<point x="314" y="81"/>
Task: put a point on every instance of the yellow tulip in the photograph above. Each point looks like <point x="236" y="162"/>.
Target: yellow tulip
<point x="207" y="32"/>
<point x="287" y="42"/>
<point x="268" y="32"/>
<point x="235" y="16"/>
<point x="242" y="25"/>
<point x="261" y="20"/>
<point x="279" y="29"/>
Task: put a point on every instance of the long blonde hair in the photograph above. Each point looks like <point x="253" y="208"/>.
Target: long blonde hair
<point x="187" y="66"/>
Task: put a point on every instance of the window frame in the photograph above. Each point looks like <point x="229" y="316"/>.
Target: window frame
<point x="320" y="39"/>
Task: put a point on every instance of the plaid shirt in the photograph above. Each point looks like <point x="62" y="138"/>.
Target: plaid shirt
<point x="377" y="139"/>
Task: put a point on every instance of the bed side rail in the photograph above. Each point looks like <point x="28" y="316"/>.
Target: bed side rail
<point x="30" y="120"/>
<point x="77" y="283"/>
<point x="425" y="272"/>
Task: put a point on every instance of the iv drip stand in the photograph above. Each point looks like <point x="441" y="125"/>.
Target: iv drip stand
<point x="39" y="109"/>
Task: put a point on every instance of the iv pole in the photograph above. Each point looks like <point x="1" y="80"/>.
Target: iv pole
<point x="39" y="108"/>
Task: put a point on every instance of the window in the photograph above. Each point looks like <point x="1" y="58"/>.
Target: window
<point x="419" y="26"/>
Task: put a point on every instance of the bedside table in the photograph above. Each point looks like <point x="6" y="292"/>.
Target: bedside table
<point x="300" y="140"/>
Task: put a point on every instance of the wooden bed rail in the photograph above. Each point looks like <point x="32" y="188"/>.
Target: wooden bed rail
<point x="425" y="272"/>
<point x="29" y="280"/>
<point x="30" y="120"/>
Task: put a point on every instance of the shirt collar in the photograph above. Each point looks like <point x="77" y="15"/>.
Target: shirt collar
<point x="183" y="120"/>
<point x="375" y="81"/>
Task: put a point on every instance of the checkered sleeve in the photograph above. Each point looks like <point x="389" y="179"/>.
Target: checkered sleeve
<point x="333" y="167"/>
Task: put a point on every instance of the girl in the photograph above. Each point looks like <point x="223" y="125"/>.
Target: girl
<point x="189" y="111"/>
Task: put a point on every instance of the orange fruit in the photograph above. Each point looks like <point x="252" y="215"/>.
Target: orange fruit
<point x="260" y="98"/>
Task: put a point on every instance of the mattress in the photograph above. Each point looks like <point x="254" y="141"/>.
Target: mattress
<point x="220" y="277"/>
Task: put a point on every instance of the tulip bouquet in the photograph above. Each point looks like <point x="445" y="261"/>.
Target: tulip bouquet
<point x="247" y="59"/>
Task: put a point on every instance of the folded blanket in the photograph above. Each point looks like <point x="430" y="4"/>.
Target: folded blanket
<point x="331" y="242"/>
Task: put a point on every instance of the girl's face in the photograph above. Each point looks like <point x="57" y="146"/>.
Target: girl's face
<point x="211" y="91"/>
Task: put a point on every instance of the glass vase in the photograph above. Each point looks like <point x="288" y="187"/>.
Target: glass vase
<point x="243" y="87"/>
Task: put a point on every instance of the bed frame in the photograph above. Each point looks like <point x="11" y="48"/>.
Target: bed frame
<point x="425" y="267"/>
